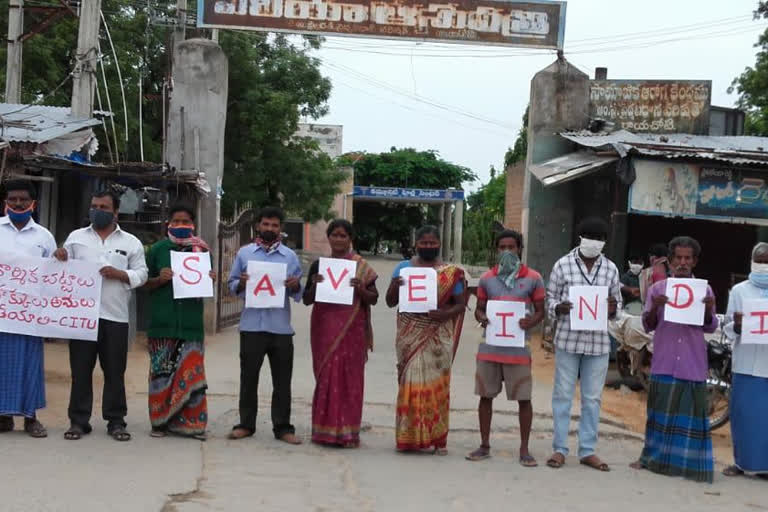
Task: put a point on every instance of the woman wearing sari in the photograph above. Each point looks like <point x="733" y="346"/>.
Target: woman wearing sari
<point x="341" y="336"/>
<point x="177" y="384"/>
<point x="426" y="344"/>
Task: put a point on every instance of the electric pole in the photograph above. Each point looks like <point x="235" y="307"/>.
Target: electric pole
<point x="13" y="62"/>
<point x="84" y="75"/>
<point x="179" y="31"/>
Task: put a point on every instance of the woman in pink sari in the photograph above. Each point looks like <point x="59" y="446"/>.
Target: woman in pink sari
<point x="341" y="337"/>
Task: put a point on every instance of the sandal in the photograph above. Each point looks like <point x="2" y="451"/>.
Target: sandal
<point x="34" y="428"/>
<point x="482" y="453"/>
<point x="75" y="432"/>
<point x="6" y="423"/>
<point x="119" y="434"/>
<point x="158" y="432"/>
<point x="733" y="471"/>
<point x="595" y="463"/>
<point x="240" y="432"/>
<point x="528" y="461"/>
<point x="556" y="461"/>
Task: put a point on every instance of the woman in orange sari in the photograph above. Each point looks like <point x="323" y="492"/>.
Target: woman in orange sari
<point x="341" y="336"/>
<point x="426" y="344"/>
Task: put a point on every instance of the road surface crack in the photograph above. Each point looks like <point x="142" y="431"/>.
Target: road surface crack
<point x="173" y="500"/>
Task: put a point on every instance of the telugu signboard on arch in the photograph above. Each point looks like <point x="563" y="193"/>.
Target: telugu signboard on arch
<point x="534" y="24"/>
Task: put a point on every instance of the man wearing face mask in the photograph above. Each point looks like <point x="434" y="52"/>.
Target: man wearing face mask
<point x="580" y="355"/>
<point x="266" y="331"/>
<point x="123" y="268"/>
<point x="510" y="280"/>
<point x="22" y="381"/>
<point x="630" y="284"/>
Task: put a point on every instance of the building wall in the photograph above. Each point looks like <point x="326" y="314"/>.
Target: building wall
<point x="513" y="199"/>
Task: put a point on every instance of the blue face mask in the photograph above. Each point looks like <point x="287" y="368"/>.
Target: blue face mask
<point x="100" y="218"/>
<point x="19" y="217"/>
<point x="181" y="232"/>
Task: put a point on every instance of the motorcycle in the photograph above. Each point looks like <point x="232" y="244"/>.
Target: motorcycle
<point x="719" y="357"/>
<point x="635" y="353"/>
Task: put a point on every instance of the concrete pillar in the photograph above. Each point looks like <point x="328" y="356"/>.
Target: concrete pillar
<point x="84" y="76"/>
<point x="441" y="227"/>
<point x="447" y="218"/>
<point x="458" y="227"/>
<point x="559" y="102"/>
<point x="13" y="61"/>
<point x="196" y="120"/>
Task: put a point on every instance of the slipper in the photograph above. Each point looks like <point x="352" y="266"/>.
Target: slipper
<point x="119" y="434"/>
<point x="733" y="471"/>
<point x="75" y="433"/>
<point x="595" y="463"/>
<point x="240" y="432"/>
<point x="482" y="453"/>
<point x="556" y="461"/>
<point x="290" y="438"/>
<point x="35" y="429"/>
<point x="6" y="423"/>
<point x="156" y="432"/>
<point x="528" y="461"/>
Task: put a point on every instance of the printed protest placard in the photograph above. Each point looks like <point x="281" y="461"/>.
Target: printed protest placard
<point x="266" y="285"/>
<point x="419" y="291"/>
<point x="754" y="323"/>
<point x="191" y="274"/>
<point x="48" y="298"/>
<point x="504" y="323"/>
<point x="590" y="308"/>
<point x="685" y="301"/>
<point x="337" y="274"/>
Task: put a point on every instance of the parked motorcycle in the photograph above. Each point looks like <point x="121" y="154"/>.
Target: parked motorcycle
<point x="719" y="356"/>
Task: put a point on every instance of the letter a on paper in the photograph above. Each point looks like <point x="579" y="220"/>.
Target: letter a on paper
<point x="266" y="285"/>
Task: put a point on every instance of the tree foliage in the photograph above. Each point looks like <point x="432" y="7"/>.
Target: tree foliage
<point x="407" y="168"/>
<point x="273" y="81"/>
<point x="752" y="84"/>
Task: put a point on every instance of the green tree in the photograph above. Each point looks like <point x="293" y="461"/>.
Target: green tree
<point x="519" y="151"/>
<point x="407" y="168"/>
<point x="752" y="84"/>
<point x="273" y="81"/>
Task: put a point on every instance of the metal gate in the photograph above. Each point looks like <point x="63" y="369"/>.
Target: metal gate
<point x="233" y="234"/>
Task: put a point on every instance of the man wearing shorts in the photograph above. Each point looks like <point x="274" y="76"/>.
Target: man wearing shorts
<point x="512" y="281"/>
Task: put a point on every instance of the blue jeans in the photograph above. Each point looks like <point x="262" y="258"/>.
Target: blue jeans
<point x="591" y="370"/>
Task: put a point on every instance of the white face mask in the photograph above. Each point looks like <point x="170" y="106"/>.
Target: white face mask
<point x="635" y="268"/>
<point x="760" y="268"/>
<point x="591" y="248"/>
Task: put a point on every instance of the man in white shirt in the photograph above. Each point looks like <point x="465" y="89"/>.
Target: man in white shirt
<point x="22" y="378"/>
<point x="122" y="255"/>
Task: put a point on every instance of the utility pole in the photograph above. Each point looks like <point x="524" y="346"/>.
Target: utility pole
<point x="179" y="32"/>
<point x="13" y="62"/>
<point x="84" y="75"/>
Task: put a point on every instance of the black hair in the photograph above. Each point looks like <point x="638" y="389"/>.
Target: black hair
<point x="340" y="223"/>
<point x="181" y="207"/>
<point x="592" y="226"/>
<point x="15" y="185"/>
<point x="510" y="233"/>
<point x="109" y="193"/>
<point x="427" y="230"/>
<point x="684" y="241"/>
<point x="634" y="256"/>
<point x="658" y="250"/>
<point x="271" y="212"/>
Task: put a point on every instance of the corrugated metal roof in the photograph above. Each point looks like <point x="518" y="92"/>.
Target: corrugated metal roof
<point x="571" y="166"/>
<point x="38" y="123"/>
<point x="741" y="150"/>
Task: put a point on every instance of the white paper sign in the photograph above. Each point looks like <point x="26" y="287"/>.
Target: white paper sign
<point x="685" y="304"/>
<point x="590" y="308"/>
<point x="48" y="298"/>
<point x="419" y="291"/>
<point x="266" y="285"/>
<point x="504" y="323"/>
<point x="754" y="323"/>
<point x="337" y="274"/>
<point x="191" y="274"/>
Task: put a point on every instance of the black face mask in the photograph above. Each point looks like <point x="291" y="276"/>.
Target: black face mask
<point x="428" y="253"/>
<point x="268" y="236"/>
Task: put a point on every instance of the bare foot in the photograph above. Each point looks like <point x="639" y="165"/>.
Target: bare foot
<point x="290" y="438"/>
<point x="637" y="465"/>
<point x="240" y="433"/>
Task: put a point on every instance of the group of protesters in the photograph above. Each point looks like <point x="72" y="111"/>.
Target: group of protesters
<point x="677" y="438"/>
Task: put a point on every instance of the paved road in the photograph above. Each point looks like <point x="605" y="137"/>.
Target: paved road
<point x="262" y="474"/>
